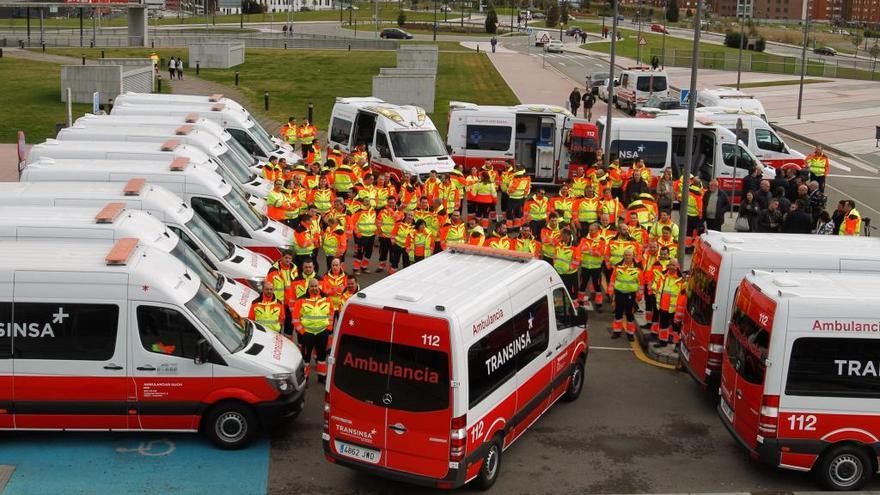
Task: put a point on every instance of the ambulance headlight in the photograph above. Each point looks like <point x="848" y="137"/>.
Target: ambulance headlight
<point x="282" y="382"/>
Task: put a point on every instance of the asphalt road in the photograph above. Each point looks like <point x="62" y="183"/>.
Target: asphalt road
<point x="636" y="429"/>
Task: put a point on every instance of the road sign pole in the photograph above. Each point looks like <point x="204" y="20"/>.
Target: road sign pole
<point x="689" y="140"/>
<point x="741" y="40"/>
<point x="739" y="130"/>
<point x="607" y="130"/>
<point x="803" y="60"/>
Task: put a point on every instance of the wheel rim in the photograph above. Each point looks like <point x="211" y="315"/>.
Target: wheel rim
<point x="576" y="380"/>
<point x="491" y="462"/>
<point x="845" y="470"/>
<point x="231" y="427"/>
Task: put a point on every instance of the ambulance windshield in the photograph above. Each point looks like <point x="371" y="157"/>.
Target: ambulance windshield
<point x="417" y="144"/>
<point x="220" y="319"/>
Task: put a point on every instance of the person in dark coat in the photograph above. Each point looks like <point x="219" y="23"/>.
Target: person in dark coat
<point x="715" y="205"/>
<point x="763" y="196"/>
<point x="771" y="219"/>
<point x="751" y="210"/>
<point x="574" y="100"/>
<point x="797" y="221"/>
<point x="752" y="182"/>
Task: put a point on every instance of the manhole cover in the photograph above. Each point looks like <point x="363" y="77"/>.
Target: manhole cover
<point x="6" y="471"/>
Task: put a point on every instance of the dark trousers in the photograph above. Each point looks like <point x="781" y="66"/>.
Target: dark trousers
<point x="820" y="179"/>
<point x="483" y="210"/>
<point x="570" y="280"/>
<point x="384" y="249"/>
<point x="715" y="223"/>
<point x="650" y="303"/>
<point x="364" y="249"/>
<point x="694" y="223"/>
<point x="314" y="342"/>
<point x="515" y="208"/>
<point x="537" y="226"/>
<point x="304" y="149"/>
<point x="593" y="275"/>
<point x="399" y="254"/>
<point x="624" y="305"/>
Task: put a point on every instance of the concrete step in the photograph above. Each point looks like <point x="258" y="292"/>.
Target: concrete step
<point x="665" y="355"/>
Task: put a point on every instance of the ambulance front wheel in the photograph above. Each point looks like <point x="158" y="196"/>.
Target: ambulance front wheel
<point x="846" y="467"/>
<point x="575" y="382"/>
<point x="491" y="465"/>
<point x="231" y="425"/>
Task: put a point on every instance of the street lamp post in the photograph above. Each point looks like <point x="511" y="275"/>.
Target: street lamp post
<point x="742" y="23"/>
<point x="689" y="139"/>
<point x="663" y="37"/>
<point x="607" y="130"/>
<point x="803" y="60"/>
<point x="434" y="30"/>
<point x="639" y="43"/>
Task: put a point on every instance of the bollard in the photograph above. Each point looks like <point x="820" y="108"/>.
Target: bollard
<point x="91" y="44"/>
<point x="159" y="83"/>
<point x="311" y="111"/>
<point x="236" y="78"/>
<point x="84" y="59"/>
<point x="102" y="53"/>
<point x="44" y="48"/>
<point x="1" y="53"/>
<point x="197" y="67"/>
<point x="478" y="48"/>
<point x="21" y="44"/>
<point x="349" y="47"/>
<point x="266" y="100"/>
<point x="285" y="45"/>
<point x="152" y="44"/>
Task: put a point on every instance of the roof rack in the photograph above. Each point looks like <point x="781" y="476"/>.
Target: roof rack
<point x="191" y="118"/>
<point x="121" y="251"/>
<point x="490" y="252"/>
<point x="109" y="213"/>
<point x="134" y="186"/>
<point x="170" y="145"/>
<point x="179" y="164"/>
<point x="215" y="97"/>
<point x="183" y="130"/>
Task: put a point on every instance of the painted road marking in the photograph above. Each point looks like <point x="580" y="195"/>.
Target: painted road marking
<point x="866" y="177"/>
<point x="836" y="164"/>
<point x="603" y="348"/>
<point x="857" y="163"/>
<point x="861" y="205"/>
<point x="131" y="463"/>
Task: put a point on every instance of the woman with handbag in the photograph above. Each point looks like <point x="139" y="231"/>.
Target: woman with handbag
<point x="664" y="193"/>
<point x="749" y="209"/>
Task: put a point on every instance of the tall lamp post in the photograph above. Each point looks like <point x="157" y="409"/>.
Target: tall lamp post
<point x="607" y="130"/>
<point x="689" y="139"/>
<point x="804" y="59"/>
<point x="663" y="37"/>
<point x="639" y="43"/>
<point x="741" y="4"/>
<point x="434" y="30"/>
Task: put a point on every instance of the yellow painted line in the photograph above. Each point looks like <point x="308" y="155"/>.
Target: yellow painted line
<point x="640" y="354"/>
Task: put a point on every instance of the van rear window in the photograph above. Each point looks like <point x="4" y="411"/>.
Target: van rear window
<point x="395" y="376"/>
<point x="651" y="83"/>
<point x="834" y="367"/>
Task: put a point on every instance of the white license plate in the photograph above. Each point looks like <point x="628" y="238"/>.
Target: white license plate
<point x="358" y="452"/>
<point x="728" y="412"/>
<point x="683" y="350"/>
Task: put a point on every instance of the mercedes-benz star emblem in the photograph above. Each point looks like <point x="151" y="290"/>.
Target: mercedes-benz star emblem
<point x="386" y="399"/>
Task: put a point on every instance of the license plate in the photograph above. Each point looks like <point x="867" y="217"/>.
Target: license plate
<point x="728" y="412"/>
<point x="683" y="350"/>
<point x="358" y="452"/>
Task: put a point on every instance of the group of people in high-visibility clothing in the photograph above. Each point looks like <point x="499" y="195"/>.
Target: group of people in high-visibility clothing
<point x="304" y="134"/>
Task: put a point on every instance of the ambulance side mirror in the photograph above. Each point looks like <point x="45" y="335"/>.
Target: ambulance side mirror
<point x="203" y="352"/>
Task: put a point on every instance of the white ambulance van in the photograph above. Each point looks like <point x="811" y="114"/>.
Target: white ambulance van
<point x="114" y="222"/>
<point x="243" y="265"/>
<point x="637" y="84"/>
<point x="214" y="149"/>
<point x="179" y="99"/>
<point x="121" y="337"/>
<point x="731" y="98"/>
<point x="81" y="146"/>
<point x="201" y="124"/>
<point x="800" y="382"/>
<point x="244" y="129"/>
<point x="400" y="138"/>
<point x="661" y="143"/>
<point x="225" y="210"/>
<point x="722" y="259"/>
<point x="761" y="139"/>
<point x="547" y="140"/>
<point x="438" y="369"/>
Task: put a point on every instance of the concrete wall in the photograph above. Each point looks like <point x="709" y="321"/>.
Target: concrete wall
<point x="138" y="80"/>
<point x="417" y="57"/>
<point x="218" y="55"/>
<point x="406" y="90"/>
<point x="126" y="62"/>
<point x="138" y="30"/>
<point x="83" y="80"/>
<point x="397" y="71"/>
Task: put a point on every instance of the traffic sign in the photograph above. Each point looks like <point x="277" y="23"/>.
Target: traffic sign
<point x="683" y="96"/>
<point x="545" y="38"/>
<point x="530" y="30"/>
<point x="642" y="41"/>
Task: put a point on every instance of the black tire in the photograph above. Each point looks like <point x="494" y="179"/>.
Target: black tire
<point x="491" y="465"/>
<point x="575" y="382"/>
<point x="846" y="467"/>
<point x="231" y="425"/>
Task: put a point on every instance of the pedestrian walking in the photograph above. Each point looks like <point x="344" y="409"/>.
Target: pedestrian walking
<point x="172" y="67"/>
<point x="574" y="100"/>
<point x="494" y="43"/>
<point x="589" y="100"/>
<point x="179" y="67"/>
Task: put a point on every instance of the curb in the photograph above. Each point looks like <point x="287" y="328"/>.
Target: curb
<point x="642" y="335"/>
<point x="811" y="141"/>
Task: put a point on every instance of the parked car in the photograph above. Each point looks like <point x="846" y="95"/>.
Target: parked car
<point x="620" y="18"/>
<point x="573" y="31"/>
<point x="597" y="79"/>
<point x="445" y="8"/>
<point x="395" y="34"/>
<point x="659" y="28"/>
<point x="825" y="50"/>
<point x="539" y="15"/>
<point x="664" y="103"/>
<point x="601" y="88"/>
<point x="554" y="46"/>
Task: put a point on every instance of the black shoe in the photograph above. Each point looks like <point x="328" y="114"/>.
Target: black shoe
<point x="379" y="270"/>
<point x="322" y="379"/>
<point x="646" y="326"/>
<point x="660" y="343"/>
<point x="630" y="338"/>
<point x="615" y="335"/>
<point x="598" y="308"/>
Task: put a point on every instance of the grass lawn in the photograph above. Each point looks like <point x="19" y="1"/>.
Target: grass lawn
<point x="31" y="100"/>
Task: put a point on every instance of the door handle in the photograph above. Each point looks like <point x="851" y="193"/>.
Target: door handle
<point x="549" y="353"/>
<point x="399" y="428"/>
<point x="146" y="368"/>
<point x="559" y="346"/>
<point x="739" y="394"/>
<point x="112" y="366"/>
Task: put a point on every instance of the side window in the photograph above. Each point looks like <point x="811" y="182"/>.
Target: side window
<point x="767" y="140"/>
<point x="834" y="367"/>
<point x="382" y="145"/>
<point x="244" y="140"/>
<point x="534" y="322"/>
<point x="340" y="130"/>
<point x="218" y="217"/>
<point x="488" y="137"/>
<point x="81" y="332"/>
<point x="624" y="80"/>
<point x="565" y="316"/>
<point x="167" y="331"/>
<point x="5" y="334"/>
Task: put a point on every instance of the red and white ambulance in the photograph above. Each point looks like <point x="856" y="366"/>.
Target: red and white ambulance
<point x="437" y="369"/>
<point x="801" y="375"/>
<point x="720" y="262"/>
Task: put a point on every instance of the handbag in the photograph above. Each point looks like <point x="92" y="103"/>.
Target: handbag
<point x="742" y="224"/>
